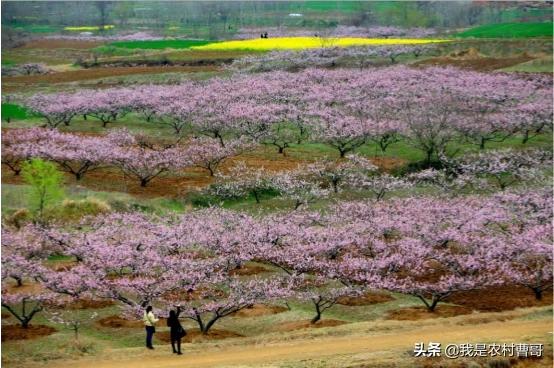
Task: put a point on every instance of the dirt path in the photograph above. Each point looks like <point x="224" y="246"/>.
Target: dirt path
<point x="514" y="331"/>
<point x="95" y="73"/>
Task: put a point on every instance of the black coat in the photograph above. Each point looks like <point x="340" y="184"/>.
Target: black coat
<point x="175" y="329"/>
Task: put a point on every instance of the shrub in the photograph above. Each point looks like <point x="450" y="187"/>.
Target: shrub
<point x="19" y="218"/>
<point x="71" y="210"/>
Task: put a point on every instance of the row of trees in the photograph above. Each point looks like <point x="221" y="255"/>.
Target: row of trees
<point x="427" y="247"/>
<point x="428" y="108"/>
<point x="327" y="57"/>
<point x="144" y="159"/>
<point x="138" y="156"/>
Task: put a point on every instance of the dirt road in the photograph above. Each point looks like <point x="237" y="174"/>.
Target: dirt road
<point x="253" y="355"/>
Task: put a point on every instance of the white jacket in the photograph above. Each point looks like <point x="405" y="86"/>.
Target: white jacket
<point x="149" y="319"/>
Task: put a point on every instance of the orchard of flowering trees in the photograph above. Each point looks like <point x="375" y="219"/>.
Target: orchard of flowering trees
<point x="427" y="247"/>
<point x="328" y="57"/>
<point x="345" y="109"/>
<point x="486" y="222"/>
<point x="134" y="155"/>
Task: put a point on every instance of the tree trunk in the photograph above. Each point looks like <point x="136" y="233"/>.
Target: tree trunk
<point x="143" y="182"/>
<point x="209" y="325"/>
<point x="538" y="293"/>
<point x="335" y="186"/>
<point x="256" y="196"/>
<point x="218" y="136"/>
<point x="317" y="317"/>
<point x="482" y="143"/>
<point x="525" y="137"/>
<point x="428" y="156"/>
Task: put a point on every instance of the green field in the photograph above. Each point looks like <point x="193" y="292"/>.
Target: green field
<point x="326" y="6"/>
<point x="510" y="30"/>
<point x="13" y="111"/>
<point x="159" y="44"/>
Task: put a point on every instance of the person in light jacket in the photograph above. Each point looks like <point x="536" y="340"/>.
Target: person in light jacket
<point x="150" y="324"/>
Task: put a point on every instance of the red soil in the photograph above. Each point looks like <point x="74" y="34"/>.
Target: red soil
<point x="28" y="81"/>
<point x="247" y="270"/>
<point x="366" y="299"/>
<point x="118" y="322"/>
<point x="15" y="332"/>
<point x="417" y="313"/>
<point x="484" y="64"/>
<point x="259" y="310"/>
<point x="500" y="298"/>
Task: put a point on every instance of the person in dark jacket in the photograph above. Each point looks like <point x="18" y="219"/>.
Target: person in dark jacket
<point x="176" y="331"/>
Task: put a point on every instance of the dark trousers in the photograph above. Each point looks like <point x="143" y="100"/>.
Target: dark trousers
<point x="176" y="343"/>
<point x="149" y="334"/>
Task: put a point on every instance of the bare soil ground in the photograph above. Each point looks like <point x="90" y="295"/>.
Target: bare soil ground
<point x="15" y="332"/>
<point x="258" y="310"/>
<point x="248" y="270"/>
<point x="366" y="299"/>
<point x="118" y="322"/>
<point x="500" y="298"/>
<point x="483" y="64"/>
<point x="28" y="81"/>
<point x="89" y="304"/>
<point x="370" y="346"/>
<point x="417" y="313"/>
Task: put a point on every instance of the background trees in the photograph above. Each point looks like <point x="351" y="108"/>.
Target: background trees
<point x="427" y="108"/>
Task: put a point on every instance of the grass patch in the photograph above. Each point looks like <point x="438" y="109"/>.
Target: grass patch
<point x="7" y="62"/>
<point x="110" y="50"/>
<point x="159" y="44"/>
<point x="324" y="6"/>
<point x="37" y="28"/>
<point x="14" y="112"/>
<point x="16" y="196"/>
<point x="509" y="30"/>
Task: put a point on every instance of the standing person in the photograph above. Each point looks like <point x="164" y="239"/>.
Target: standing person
<point x="150" y="324"/>
<point x="177" y="332"/>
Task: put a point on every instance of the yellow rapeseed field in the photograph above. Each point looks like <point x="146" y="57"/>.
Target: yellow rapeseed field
<point x="87" y="28"/>
<point x="296" y="43"/>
